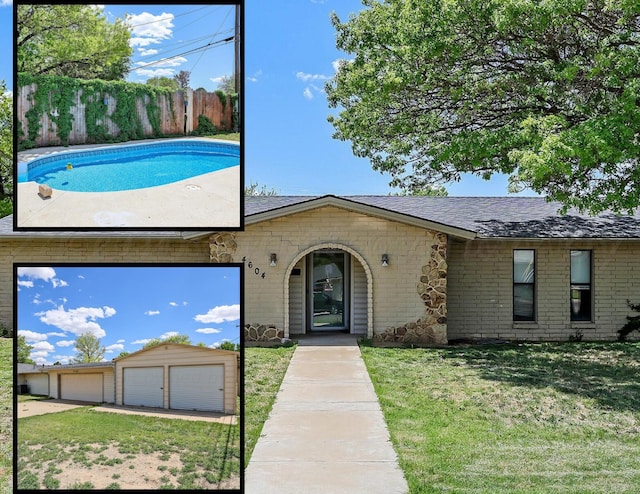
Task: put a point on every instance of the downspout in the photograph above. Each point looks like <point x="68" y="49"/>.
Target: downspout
<point x="114" y="382"/>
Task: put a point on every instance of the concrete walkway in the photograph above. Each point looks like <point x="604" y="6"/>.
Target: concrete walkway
<point x="326" y="433"/>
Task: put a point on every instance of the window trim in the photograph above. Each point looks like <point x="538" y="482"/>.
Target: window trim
<point x="533" y="284"/>
<point x="590" y="288"/>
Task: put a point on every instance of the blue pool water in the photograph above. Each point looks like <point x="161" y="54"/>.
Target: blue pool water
<point x="129" y="167"/>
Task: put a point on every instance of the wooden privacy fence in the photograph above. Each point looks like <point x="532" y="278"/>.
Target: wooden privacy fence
<point x="166" y="110"/>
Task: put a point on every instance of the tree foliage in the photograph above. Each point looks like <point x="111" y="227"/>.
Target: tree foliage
<point x="182" y="79"/>
<point x="181" y="339"/>
<point x="163" y="81"/>
<point x="88" y="349"/>
<point x="71" y="40"/>
<point x="256" y="190"/>
<point x="547" y="92"/>
<point x="24" y="351"/>
<point x="227" y="84"/>
<point x="228" y="345"/>
<point x="6" y="142"/>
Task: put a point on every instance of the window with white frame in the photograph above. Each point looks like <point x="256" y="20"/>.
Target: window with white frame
<point x="524" y="269"/>
<point x="580" y="289"/>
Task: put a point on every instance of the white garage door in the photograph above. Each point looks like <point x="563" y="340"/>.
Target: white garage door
<point x="143" y="386"/>
<point x="81" y="387"/>
<point x="38" y="384"/>
<point x="197" y="387"/>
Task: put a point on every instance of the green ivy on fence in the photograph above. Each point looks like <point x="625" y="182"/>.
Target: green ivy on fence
<point x="54" y="96"/>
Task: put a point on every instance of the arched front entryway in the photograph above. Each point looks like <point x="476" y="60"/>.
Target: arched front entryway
<point x="341" y="298"/>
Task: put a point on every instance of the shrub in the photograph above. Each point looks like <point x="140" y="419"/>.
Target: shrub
<point x="205" y="127"/>
<point x="633" y="322"/>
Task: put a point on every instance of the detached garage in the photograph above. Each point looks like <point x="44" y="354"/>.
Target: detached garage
<point x="82" y="382"/>
<point x="182" y="377"/>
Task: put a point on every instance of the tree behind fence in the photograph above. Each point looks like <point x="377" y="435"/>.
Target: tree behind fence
<point x="171" y="114"/>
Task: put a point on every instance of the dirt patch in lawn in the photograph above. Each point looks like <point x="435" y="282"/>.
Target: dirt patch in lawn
<point x="101" y="467"/>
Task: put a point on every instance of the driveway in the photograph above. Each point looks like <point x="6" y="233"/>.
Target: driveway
<point x="42" y="407"/>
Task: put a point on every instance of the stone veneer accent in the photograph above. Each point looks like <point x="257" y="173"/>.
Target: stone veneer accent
<point x="432" y="288"/>
<point x="222" y="246"/>
<point x="262" y="332"/>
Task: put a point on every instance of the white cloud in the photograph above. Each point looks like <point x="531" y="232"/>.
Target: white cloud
<point x="26" y="284"/>
<point x="142" y="42"/>
<point x="141" y="342"/>
<point x="147" y="52"/>
<point x="220" y="314"/>
<point x="43" y="346"/>
<point x="66" y="343"/>
<point x="155" y="73"/>
<point x="256" y="75"/>
<point x="36" y="273"/>
<point x="166" y="62"/>
<point x="77" y="321"/>
<point x="310" y="77"/>
<point x="41" y="273"/>
<point x="120" y="341"/>
<point x="208" y="330"/>
<point x="146" y="25"/>
<point x="168" y="334"/>
<point x="6" y="3"/>
<point x="31" y="336"/>
<point x="114" y="347"/>
<point x="61" y="335"/>
<point x="307" y="93"/>
<point x="63" y="359"/>
<point x="152" y="312"/>
<point x="173" y="304"/>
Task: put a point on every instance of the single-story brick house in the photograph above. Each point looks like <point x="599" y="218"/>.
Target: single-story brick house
<point x="169" y="375"/>
<point x="397" y="269"/>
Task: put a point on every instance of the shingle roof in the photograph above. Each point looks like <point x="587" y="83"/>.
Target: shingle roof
<point x="492" y="217"/>
<point x="489" y="217"/>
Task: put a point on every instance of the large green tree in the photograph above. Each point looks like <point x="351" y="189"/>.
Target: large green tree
<point x="71" y="40"/>
<point x="24" y="351"/>
<point x="163" y="81"/>
<point x="6" y="143"/>
<point x="547" y="92"/>
<point x="181" y="339"/>
<point x="88" y="349"/>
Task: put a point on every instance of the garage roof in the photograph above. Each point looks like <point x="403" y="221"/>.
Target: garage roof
<point x="195" y="347"/>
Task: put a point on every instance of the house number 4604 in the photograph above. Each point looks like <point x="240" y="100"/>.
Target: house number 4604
<point x="256" y="270"/>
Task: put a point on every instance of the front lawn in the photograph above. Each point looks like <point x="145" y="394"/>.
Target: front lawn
<point x="6" y="414"/>
<point x="81" y="448"/>
<point x="529" y="418"/>
<point x="264" y="369"/>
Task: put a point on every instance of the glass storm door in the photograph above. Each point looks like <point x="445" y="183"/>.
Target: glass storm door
<point x="328" y="291"/>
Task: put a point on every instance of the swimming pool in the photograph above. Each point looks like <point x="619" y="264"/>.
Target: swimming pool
<point x="128" y="167"/>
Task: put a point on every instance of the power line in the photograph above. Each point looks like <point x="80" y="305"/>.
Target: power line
<point x="195" y="50"/>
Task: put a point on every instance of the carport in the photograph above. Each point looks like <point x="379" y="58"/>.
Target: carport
<point x="182" y="377"/>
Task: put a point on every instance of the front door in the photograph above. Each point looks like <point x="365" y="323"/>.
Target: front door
<point x="328" y="290"/>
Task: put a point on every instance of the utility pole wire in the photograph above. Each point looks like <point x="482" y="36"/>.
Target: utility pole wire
<point x="195" y="50"/>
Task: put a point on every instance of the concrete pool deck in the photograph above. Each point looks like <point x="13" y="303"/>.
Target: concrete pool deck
<point x="206" y="201"/>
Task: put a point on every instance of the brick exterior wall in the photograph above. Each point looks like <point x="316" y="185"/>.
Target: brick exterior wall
<point x="481" y="289"/>
<point x="98" y="250"/>
<point x="395" y="297"/>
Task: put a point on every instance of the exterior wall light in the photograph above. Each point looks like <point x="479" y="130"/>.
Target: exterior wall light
<point x="274" y="260"/>
<point x="385" y="260"/>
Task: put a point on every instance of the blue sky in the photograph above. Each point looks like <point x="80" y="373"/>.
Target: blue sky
<point x="289" y="55"/>
<point x="125" y="306"/>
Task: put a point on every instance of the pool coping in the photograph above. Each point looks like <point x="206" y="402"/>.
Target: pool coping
<point x="202" y="202"/>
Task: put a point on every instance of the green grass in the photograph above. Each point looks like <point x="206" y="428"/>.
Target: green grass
<point x="264" y="369"/>
<point x="206" y="449"/>
<point x="6" y="207"/>
<point x="530" y="418"/>
<point x="6" y="414"/>
<point x="230" y="136"/>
